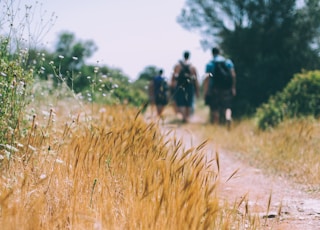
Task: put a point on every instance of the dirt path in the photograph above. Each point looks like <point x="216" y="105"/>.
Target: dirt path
<point x="298" y="209"/>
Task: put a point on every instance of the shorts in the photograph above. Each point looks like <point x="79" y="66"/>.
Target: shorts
<point x="221" y="99"/>
<point x="184" y="97"/>
<point x="163" y="100"/>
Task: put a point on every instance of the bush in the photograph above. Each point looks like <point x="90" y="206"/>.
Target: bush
<point x="13" y="89"/>
<point x="113" y="90"/>
<point x="271" y="113"/>
<point x="299" y="98"/>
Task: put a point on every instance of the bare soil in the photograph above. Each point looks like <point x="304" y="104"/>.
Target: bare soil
<point x="299" y="209"/>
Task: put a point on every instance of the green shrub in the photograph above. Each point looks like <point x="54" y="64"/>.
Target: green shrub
<point x="113" y="90"/>
<point x="299" y="98"/>
<point x="302" y="94"/>
<point x="13" y="90"/>
<point x="271" y="113"/>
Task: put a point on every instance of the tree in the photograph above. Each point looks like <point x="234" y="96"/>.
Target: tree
<point x="268" y="40"/>
<point x="71" y="56"/>
<point x="148" y="73"/>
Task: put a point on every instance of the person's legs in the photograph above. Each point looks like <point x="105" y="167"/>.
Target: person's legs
<point x="183" y="103"/>
<point x="228" y="114"/>
<point x="215" y="116"/>
<point x="183" y="111"/>
<point x="175" y="108"/>
<point x="215" y="107"/>
<point x="188" y="113"/>
<point x="179" y="102"/>
<point x="160" y="109"/>
<point x="189" y="103"/>
<point x="228" y="118"/>
<point x="227" y="105"/>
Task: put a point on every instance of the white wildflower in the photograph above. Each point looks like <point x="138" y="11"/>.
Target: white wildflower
<point x="45" y="113"/>
<point x="8" y="154"/>
<point x="9" y="147"/>
<point x="32" y="148"/>
<point x="59" y="161"/>
<point x="102" y="110"/>
<point x="43" y="176"/>
<point x="19" y="145"/>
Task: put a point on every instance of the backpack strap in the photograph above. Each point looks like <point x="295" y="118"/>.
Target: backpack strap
<point x="184" y="65"/>
<point x="213" y="61"/>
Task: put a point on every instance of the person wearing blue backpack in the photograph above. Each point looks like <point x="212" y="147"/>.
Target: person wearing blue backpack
<point x="159" y="92"/>
<point x="219" y="87"/>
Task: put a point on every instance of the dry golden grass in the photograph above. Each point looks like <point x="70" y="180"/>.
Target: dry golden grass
<point x="290" y="150"/>
<point x="109" y="169"/>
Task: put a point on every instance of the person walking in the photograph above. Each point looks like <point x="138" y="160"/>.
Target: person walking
<point x="219" y="87"/>
<point x="184" y="82"/>
<point x="158" y="92"/>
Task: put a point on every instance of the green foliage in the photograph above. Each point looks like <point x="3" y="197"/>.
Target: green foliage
<point x="66" y="64"/>
<point x="269" y="41"/>
<point x="302" y="94"/>
<point x="67" y="67"/>
<point x="299" y="98"/>
<point x="142" y="84"/>
<point x="148" y="73"/>
<point x="18" y="30"/>
<point x="61" y="73"/>
<point x="107" y="86"/>
<point x="129" y="93"/>
<point x="13" y="91"/>
<point x="270" y="114"/>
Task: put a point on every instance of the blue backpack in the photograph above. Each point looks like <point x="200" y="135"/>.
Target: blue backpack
<point x="161" y="89"/>
<point x="222" y="78"/>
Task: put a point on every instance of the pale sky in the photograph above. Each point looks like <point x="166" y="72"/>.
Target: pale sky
<point x="130" y="34"/>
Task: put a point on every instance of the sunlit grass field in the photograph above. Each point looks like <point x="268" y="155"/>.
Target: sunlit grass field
<point x="98" y="167"/>
<point x="290" y="150"/>
<point x="94" y="167"/>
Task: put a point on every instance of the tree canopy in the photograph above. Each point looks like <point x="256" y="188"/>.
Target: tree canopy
<point x="268" y="40"/>
<point x="148" y="73"/>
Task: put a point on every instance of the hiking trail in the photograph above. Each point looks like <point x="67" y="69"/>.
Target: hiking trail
<point x="299" y="210"/>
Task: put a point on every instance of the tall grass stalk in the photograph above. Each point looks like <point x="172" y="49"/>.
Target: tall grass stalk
<point x="113" y="171"/>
